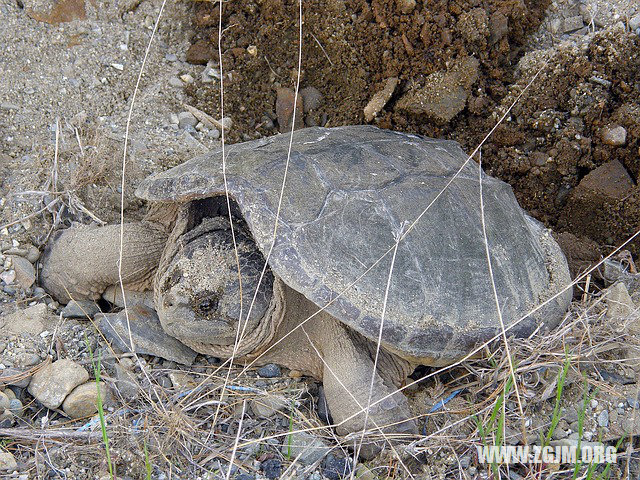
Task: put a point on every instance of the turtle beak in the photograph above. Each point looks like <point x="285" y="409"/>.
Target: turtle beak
<point x="178" y="319"/>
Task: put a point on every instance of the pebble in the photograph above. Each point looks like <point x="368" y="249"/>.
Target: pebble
<point x="615" y="136"/>
<point x="285" y="100"/>
<point x="27" y="359"/>
<point x="83" y="400"/>
<point x="8" y="276"/>
<point x="335" y="468"/>
<point x="25" y="273"/>
<point x="594" y="403"/>
<point x="186" y="78"/>
<point x="8" y="377"/>
<point x="620" y="306"/>
<point x="4" y="401"/>
<point x="634" y="22"/>
<point x="126" y="383"/>
<point x="33" y="254"/>
<point x="118" y="66"/>
<point x="603" y="418"/>
<point x="148" y="336"/>
<point x="15" y="407"/>
<point x="271" y="468"/>
<point x="186" y="118"/>
<point x="267" y="405"/>
<point x="80" y="309"/>
<point x="633" y="402"/>
<point x="311" y="98"/>
<point x="306" y="447"/>
<point x="7" y="462"/>
<point x="380" y="99"/>
<point x="54" y="382"/>
<point x="407" y="6"/>
<point x="171" y="57"/>
<point x="30" y="320"/>
<point x="271" y="370"/>
<point x="175" y="82"/>
<point x="572" y="24"/>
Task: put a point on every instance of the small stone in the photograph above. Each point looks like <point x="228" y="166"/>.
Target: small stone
<point x="7" y="462"/>
<point x="594" y="403"/>
<point x="407" y="6"/>
<point x="252" y="50"/>
<point x="30" y="320"/>
<point x="148" y="336"/>
<point x="118" y="66"/>
<point x="336" y="468"/>
<point x="445" y="92"/>
<point x="284" y="109"/>
<point x="603" y="418"/>
<point x="588" y="436"/>
<point x="175" y="82"/>
<point x="633" y="402"/>
<point x="171" y="57"/>
<point x="80" y="309"/>
<point x="380" y="99"/>
<point x="271" y="468"/>
<point x="9" y="393"/>
<point x="126" y="383"/>
<point x="634" y="22"/>
<point x="4" y="401"/>
<point x="620" y="306"/>
<point x="15" y="377"/>
<point x="15" y="407"/>
<point x="267" y="405"/>
<point x="270" y="370"/>
<point x="8" y="276"/>
<point x="27" y="359"/>
<point x="186" y="78"/>
<point x="615" y="136"/>
<point x="33" y="254"/>
<point x="311" y="98"/>
<point x="54" y="382"/>
<point x="182" y="381"/>
<point x="186" y="119"/>
<point x="83" y="400"/>
<point x="572" y="24"/>
<point x="25" y="273"/>
<point x="306" y="447"/>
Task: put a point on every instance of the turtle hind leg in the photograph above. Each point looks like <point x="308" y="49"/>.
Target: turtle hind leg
<point x="81" y="262"/>
<point x="347" y="376"/>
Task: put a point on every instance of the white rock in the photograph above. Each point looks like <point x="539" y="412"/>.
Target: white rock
<point x="267" y="405"/>
<point x="615" y="136"/>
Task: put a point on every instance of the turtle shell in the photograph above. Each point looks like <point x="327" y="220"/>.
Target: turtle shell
<point x="350" y="193"/>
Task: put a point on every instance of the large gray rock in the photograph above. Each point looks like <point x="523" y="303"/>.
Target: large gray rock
<point x="148" y="336"/>
<point x="53" y="383"/>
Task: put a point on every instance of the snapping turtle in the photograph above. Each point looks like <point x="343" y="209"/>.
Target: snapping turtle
<point x="333" y="283"/>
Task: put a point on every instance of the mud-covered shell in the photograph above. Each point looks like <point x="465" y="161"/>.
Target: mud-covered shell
<point x="350" y="193"/>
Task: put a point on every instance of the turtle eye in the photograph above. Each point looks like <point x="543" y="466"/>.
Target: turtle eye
<point x="208" y="305"/>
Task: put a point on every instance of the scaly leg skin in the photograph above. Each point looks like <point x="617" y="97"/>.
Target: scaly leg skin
<point x="81" y="262"/>
<point x="346" y="370"/>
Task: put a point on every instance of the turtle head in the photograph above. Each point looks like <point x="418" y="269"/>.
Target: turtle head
<point x="205" y="296"/>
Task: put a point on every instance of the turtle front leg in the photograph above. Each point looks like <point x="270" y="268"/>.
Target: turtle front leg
<point x="81" y="262"/>
<point x="348" y="370"/>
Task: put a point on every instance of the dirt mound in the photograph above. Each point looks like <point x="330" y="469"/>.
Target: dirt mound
<point x="457" y="66"/>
